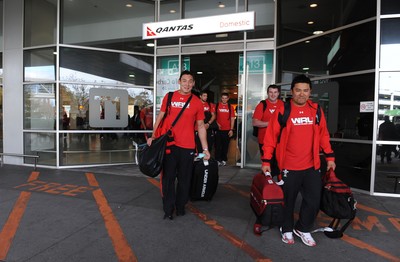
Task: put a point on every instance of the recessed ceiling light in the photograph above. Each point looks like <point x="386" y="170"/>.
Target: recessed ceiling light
<point x="128" y="5"/>
<point x="150" y="44"/>
<point x="305" y="68"/>
<point x="308" y="41"/>
<point x="221" y="5"/>
<point x="310" y="22"/>
<point x="199" y="73"/>
<point x="221" y="35"/>
<point x="172" y="11"/>
<point x="317" y="32"/>
<point x="313" y="5"/>
<point x="131" y="75"/>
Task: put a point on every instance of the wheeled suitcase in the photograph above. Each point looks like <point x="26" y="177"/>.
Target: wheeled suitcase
<point x="204" y="180"/>
<point x="267" y="202"/>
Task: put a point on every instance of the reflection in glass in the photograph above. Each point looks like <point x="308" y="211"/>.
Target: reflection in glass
<point x="43" y="145"/>
<point x="259" y="76"/>
<point x="387" y="175"/>
<point x="390" y="7"/>
<point x="292" y="17"/>
<point x="390" y="44"/>
<point x="39" y="65"/>
<point x="96" y="148"/>
<point x="352" y="49"/>
<point x="109" y="25"/>
<point x="39" y="107"/>
<point x="79" y="65"/>
<point x="74" y="104"/>
<point x="1" y="118"/>
<point x="389" y="98"/>
<point x="353" y="163"/>
<point x="265" y="18"/>
<point x="40" y="22"/>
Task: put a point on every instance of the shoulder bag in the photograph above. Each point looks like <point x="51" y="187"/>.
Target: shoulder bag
<point x="151" y="157"/>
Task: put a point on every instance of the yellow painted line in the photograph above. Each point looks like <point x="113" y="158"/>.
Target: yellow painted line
<point x="11" y="226"/>
<point x="119" y="241"/>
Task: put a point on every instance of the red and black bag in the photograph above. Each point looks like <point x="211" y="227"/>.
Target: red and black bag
<point x="337" y="201"/>
<point x="267" y="202"/>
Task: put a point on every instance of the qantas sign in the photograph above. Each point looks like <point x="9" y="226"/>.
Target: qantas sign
<point x="197" y="26"/>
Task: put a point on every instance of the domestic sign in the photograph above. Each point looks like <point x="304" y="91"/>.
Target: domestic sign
<point x="366" y="106"/>
<point x="198" y="26"/>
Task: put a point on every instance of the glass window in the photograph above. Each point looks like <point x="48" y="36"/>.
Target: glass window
<point x="39" y="65"/>
<point x="389" y="105"/>
<point x="259" y="77"/>
<point x="1" y="25"/>
<point x="203" y="8"/>
<point x="389" y="7"/>
<point x="39" y="107"/>
<point x="298" y="20"/>
<point x="75" y="103"/>
<point x="41" y="144"/>
<point x="110" y="25"/>
<point x="40" y="22"/>
<point x="1" y="118"/>
<point x="387" y="169"/>
<point x="195" y="9"/>
<point x="170" y="10"/>
<point x="265" y="18"/>
<point x="353" y="163"/>
<point x="96" y="148"/>
<point x="80" y="65"/>
<point x="390" y="44"/>
<point x="349" y="50"/>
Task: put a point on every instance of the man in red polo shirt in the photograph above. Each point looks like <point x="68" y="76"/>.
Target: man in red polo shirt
<point x="262" y="115"/>
<point x="297" y="149"/>
<point x="178" y="161"/>
<point x="225" y="121"/>
<point x="209" y="118"/>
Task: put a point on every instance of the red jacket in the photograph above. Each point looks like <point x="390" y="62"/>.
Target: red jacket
<point x="321" y="140"/>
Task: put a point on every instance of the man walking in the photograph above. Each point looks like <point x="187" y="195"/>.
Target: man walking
<point x="297" y="147"/>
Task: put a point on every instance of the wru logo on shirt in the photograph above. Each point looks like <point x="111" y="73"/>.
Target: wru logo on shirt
<point x="179" y="104"/>
<point x="302" y="121"/>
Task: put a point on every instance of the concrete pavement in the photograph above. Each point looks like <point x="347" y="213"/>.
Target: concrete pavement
<point x="115" y="214"/>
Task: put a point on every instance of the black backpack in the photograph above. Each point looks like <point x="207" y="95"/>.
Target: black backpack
<point x="255" y="128"/>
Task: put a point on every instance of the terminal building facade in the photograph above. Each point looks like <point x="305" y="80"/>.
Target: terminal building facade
<point x="75" y="75"/>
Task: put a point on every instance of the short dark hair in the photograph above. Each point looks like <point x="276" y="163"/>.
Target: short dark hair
<point x="301" y="79"/>
<point x="273" y="86"/>
<point x="224" y="94"/>
<point x="186" y="72"/>
<point x="203" y="92"/>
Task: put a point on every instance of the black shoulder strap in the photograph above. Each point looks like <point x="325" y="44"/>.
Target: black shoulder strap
<point x="318" y="116"/>
<point x="286" y="112"/>
<point x="168" y="102"/>
<point x="264" y="102"/>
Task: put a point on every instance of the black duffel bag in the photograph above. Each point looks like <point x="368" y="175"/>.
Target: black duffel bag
<point x="151" y="157"/>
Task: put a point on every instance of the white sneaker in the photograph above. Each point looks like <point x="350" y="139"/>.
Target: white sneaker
<point x="287" y="237"/>
<point x="219" y="163"/>
<point x="306" y="238"/>
<point x="223" y="163"/>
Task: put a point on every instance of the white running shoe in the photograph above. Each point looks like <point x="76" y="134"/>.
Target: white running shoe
<point x="223" y="163"/>
<point x="306" y="238"/>
<point x="287" y="237"/>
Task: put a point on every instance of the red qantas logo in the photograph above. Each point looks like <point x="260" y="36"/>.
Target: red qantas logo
<point x="150" y="32"/>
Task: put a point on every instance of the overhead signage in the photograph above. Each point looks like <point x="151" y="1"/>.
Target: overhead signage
<point x="198" y="26"/>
